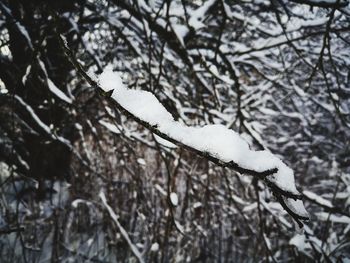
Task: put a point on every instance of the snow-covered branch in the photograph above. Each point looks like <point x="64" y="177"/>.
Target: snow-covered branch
<point x="123" y="232"/>
<point x="324" y="3"/>
<point x="216" y="143"/>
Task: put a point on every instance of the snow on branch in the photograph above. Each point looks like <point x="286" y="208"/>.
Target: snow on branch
<point x="41" y="124"/>
<point x="324" y="3"/>
<point x="216" y="143"/>
<point x="52" y="87"/>
<point x="123" y="232"/>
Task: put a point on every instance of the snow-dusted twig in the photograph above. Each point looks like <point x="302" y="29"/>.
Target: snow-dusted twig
<point x="123" y="232"/>
<point x="324" y="3"/>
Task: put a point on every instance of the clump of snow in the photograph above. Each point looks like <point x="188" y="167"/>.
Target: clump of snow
<point x="110" y="80"/>
<point x="318" y="199"/>
<point x="174" y="199"/>
<point x="197" y="15"/>
<point x="142" y="104"/>
<point x="296" y="206"/>
<point x="160" y="189"/>
<point x="25" y="77"/>
<point x="53" y="88"/>
<point x="323" y="216"/>
<point x="141" y="161"/>
<point x="25" y="34"/>
<point x="300" y="242"/>
<point x="181" y="31"/>
<point x="110" y="126"/>
<point x="163" y="142"/>
<point x="155" y="247"/>
<point x="216" y="140"/>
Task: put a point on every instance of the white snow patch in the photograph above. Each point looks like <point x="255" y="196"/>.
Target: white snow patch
<point x="110" y="80"/>
<point x="197" y="204"/>
<point x="25" y="77"/>
<point x="24" y="32"/>
<point x="53" y="88"/>
<point x="155" y="247"/>
<point x="318" y="199"/>
<point x="333" y="218"/>
<point x="174" y="199"/>
<point x="296" y="206"/>
<point x="141" y="161"/>
<point x="160" y="189"/>
<point x="300" y="242"/>
<point x="110" y="126"/>
<point x="164" y="142"/>
<point x="76" y="202"/>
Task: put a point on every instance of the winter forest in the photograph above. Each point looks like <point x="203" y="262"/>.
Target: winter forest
<point x="174" y="131"/>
